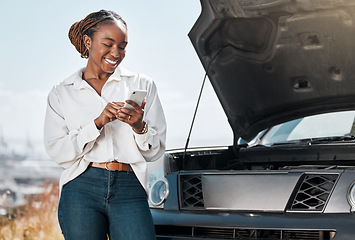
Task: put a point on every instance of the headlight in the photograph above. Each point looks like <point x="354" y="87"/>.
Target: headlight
<point x="158" y="185"/>
<point x="159" y="192"/>
<point x="351" y="196"/>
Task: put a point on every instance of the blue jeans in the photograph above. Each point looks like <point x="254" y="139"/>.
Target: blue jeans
<point x="101" y="203"/>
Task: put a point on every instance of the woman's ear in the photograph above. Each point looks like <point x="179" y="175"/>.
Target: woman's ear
<point x="87" y="41"/>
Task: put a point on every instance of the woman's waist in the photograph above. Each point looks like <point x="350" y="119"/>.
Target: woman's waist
<point x="112" y="166"/>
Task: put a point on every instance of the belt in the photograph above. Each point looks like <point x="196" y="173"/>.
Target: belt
<point x="112" y="166"/>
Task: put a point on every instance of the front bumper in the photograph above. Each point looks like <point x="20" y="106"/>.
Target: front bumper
<point x="209" y="225"/>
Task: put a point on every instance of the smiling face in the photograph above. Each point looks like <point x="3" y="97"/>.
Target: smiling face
<point x="107" y="47"/>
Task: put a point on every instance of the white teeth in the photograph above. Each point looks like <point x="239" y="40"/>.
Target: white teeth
<point x="111" y="62"/>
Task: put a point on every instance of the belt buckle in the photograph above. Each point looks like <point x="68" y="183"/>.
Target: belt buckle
<point x="108" y="168"/>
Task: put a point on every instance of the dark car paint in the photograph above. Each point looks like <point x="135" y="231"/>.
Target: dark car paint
<point x="277" y="61"/>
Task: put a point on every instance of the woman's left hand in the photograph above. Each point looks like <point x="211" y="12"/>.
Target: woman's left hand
<point x="134" y="118"/>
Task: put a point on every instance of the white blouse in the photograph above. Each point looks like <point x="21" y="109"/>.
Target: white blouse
<point x="72" y="139"/>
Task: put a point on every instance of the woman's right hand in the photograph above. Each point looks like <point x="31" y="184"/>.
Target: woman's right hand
<point x="108" y="114"/>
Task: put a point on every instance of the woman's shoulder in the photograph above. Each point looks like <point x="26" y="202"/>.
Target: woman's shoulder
<point x="125" y="73"/>
<point x="136" y="80"/>
<point x="73" y="80"/>
<point x="75" y="77"/>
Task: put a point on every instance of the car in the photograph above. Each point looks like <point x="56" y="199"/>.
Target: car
<point x="284" y="73"/>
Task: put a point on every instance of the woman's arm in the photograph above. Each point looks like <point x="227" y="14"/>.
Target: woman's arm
<point x="152" y="143"/>
<point x="63" y="145"/>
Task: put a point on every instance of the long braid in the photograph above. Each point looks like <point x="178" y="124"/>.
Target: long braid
<point x="87" y="26"/>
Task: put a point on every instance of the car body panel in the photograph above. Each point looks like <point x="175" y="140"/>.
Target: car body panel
<point x="277" y="61"/>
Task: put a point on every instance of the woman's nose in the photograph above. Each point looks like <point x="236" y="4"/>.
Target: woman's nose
<point x="115" y="53"/>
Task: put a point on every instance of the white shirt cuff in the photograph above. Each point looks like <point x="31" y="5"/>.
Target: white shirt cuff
<point x="88" y="133"/>
<point x="145" y="140"/>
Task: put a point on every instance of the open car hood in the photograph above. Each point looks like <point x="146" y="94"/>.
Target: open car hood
<point x="271" y="61"/>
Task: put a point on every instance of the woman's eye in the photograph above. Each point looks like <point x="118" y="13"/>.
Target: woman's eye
<point x="122" y="46"/>
<point x="107" y="45"/>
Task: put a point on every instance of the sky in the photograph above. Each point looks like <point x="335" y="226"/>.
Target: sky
<point x="36" y="54"/>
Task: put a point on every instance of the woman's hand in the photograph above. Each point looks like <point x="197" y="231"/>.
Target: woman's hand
<point x="108" y="114"/>
<point x="134" y="118"/>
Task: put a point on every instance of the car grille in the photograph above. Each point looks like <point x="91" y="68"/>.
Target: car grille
<point x="237" y="233"/>
<point x="191" y="192"/>
<point x="313" y="192"/>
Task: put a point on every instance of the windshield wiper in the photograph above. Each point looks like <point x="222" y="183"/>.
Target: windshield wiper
<point x="319" y="140"/>
<point x="332" y="139"/>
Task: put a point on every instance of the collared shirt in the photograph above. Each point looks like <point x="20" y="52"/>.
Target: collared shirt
<point x="72" y="139"/>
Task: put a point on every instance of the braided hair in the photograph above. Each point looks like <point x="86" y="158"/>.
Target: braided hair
<point x="88" y="26"/>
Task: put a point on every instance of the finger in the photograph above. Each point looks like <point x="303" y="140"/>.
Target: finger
<point x="126" y="119"/>
<point x="130" y="102"/>
<point x="125" y="111"/>
<point x="111" y="116"/>
<point x="123" y="116"/>
<point x="115" y="105"/>
<point x="135" y="105"/>
<point x="143" y="104"/>
<point x="119" y="104"/>
<point x="112" y="108"/>
<point x="131" y="116"/>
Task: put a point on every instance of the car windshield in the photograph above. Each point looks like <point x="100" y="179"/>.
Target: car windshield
<point x="323" y="126"/>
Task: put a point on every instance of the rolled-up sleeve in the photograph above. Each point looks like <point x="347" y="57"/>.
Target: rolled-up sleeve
<point x="63" y="145"/>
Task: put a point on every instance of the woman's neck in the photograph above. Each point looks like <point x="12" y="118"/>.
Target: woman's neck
<point x="95" y="79"/>
<point x="90" y="74"/>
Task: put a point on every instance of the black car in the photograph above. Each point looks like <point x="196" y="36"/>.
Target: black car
<point x="284" y="72"/>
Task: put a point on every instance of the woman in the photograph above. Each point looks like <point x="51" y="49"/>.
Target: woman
<point x="103" y="146"/>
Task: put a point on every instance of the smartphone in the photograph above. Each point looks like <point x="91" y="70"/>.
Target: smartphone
<point x="136" y="96"/>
